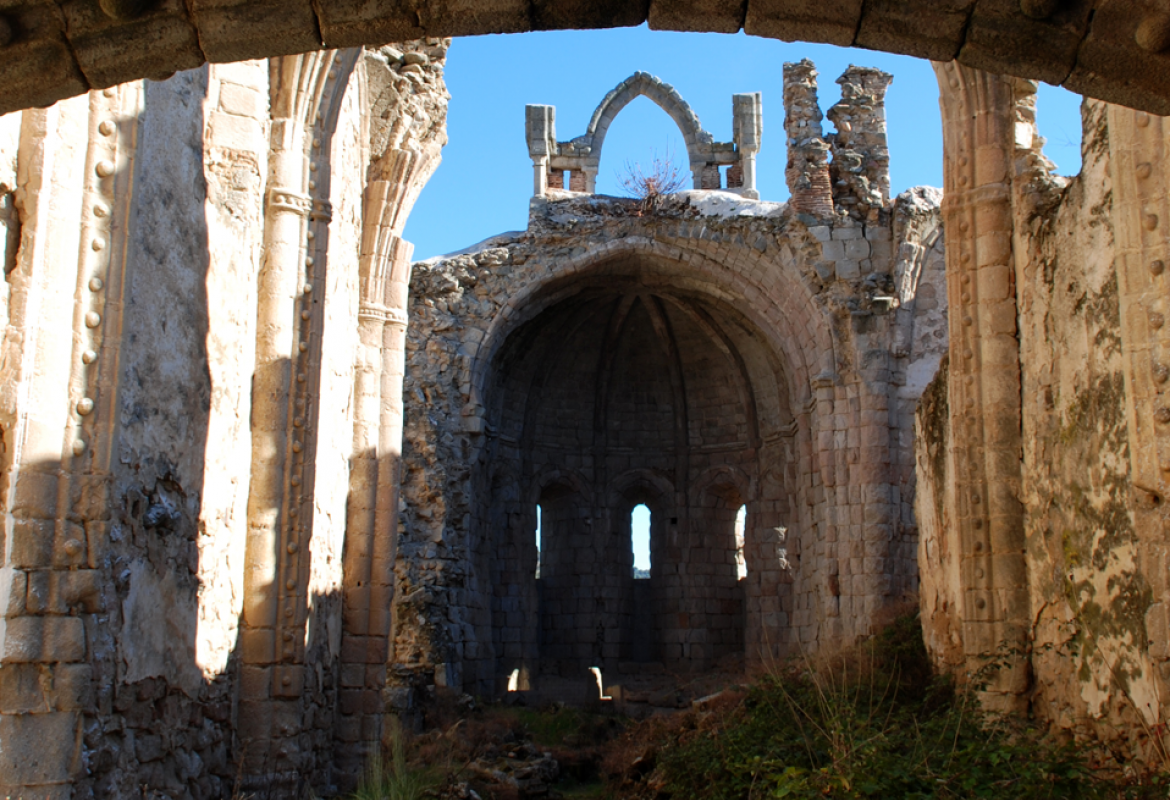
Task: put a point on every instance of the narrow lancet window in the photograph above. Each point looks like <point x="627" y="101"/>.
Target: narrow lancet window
<point x="640" y="540"/>
<point x="538" y="542"/>
<point x="740" y="529"/>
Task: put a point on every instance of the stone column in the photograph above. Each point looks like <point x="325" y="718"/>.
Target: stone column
<point x="1141" y="214"/>
<point x="748" y="130"/>
<point x="371" y="535"/>
<point x="541" y="132"/>
<point x="984" y="379"/>
<point x="272" y="630"/>
<point x="861" y="158"/>
<point x="807" y="172"/>
<point x="67" y="305"/>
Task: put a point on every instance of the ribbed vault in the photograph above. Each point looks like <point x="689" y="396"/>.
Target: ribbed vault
<point x="626" y="390"/>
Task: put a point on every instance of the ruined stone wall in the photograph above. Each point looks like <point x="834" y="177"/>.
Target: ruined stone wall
<point x="177" y="422"/>
<point x="1081" y="589"/>
<point x="1089" y="594"/>
<point x="505" y="410"/>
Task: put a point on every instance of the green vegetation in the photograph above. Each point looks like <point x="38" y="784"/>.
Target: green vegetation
<point x="872" y="723"/>
<point x="391" y="777"/>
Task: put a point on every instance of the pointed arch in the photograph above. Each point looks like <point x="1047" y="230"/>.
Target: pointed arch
<point x="663" y="95"/>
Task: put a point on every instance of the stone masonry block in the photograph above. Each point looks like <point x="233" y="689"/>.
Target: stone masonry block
<point x="33" y="639"/>
<point x="235" y="132"/>
<point x="22" y="689"/>
<point x="720" y="16"/>
<point x="154" y="44"/>
<point x="13" y="592"/>
<point x="848" y="270"/>
<point x="244" y="101"/>
<point x="32" y="543"/>
<point x="257" y="645"/>
<point x="1001" y="39"/>
<point x="924" y="28"/>
<point x="60" y="592"/>
<point x="346" y="23"/>
<point x="233" y="30"/>
<point x="353" y="675"/>
<point x="38" y="68"/>
<point x="1109" y="67"/>
<point x="255" y="682"/>
<point x="289" y="681"/>
<point x="35" y="495"/>
<point x="995" y="283"/>
<point x="39" y="748"/>
<point x="252" y="73"/>
<point x="72" y="687"/>
<point x="857" y="249"/>
<point x="833" y="250"/>
<point x="832" y="22"/>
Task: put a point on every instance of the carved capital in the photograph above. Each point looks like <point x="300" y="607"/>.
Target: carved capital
<point x="288" y="201"/>
<point x="384" y="314"/>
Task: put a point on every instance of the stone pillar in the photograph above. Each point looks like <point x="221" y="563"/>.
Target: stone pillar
<point x="541" y="132"/>
<point x="709" y="177"/>
<point x="861" y="157"/>
<point x="371" y="535"/>
<point x="372" y="512"/>
<point x="748" y="130"/>
<point x="67" y="306"/>
<point x="1141" y="214"/>
<point x="273" y="627"/>
<point x="984" y="378"/>
<point x="807" y="172"/>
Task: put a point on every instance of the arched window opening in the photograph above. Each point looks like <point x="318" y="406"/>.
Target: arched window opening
<point x="538" y="542"/>
<point x="740" y="530"/>
<point x="640" y="540"/>
<point x="642" y="138"/>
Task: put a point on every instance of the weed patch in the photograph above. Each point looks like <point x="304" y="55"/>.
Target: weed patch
<point x="871" y="722"/>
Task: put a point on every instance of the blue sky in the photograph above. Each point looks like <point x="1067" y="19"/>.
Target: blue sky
<point x="485" y="181"/>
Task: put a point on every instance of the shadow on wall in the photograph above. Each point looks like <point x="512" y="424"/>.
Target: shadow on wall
<point x="123" y="576"/>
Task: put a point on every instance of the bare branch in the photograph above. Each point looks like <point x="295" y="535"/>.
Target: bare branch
<point x="663" y="178"/>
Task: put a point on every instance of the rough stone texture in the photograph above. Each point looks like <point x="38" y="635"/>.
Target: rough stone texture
<point x="696" y="355"/>
<point x="1091" y="46"/>
<point x="861" y="160"/>
<point x="582" y="155"/>
<point x="807" y="171"/>
<point x="141" y="366"/>
<point x="209" y="320"/>
<point x="1042" y="532"/>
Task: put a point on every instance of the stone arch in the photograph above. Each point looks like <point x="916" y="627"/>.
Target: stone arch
<point x="638" y="484"/>
<point x="1100" y="48"/>
<point x="985" y="525"/>
<point x="567" y="479"/>
<point x="597" y="306"/>
<point x="663" y="95"/>
<point x="790" y="318"/>
<point x="725" y="475"/>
